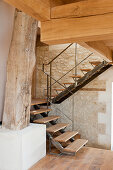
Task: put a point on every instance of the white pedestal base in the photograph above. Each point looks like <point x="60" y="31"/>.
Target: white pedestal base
<point x="20" y="150"/>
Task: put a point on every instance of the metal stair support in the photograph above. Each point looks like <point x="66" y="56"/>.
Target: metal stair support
<point x="45" y="115"/>
<point x="68" y="91"/>
<point x="81" y="82"/>
<point x="70" y="149"/>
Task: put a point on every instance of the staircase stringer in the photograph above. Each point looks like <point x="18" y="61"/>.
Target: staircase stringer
<point x="87" y="78"/>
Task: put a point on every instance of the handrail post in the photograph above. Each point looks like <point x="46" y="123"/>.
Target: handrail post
<point x="60" y="54"/>
<point x="73" y="113"/>
<point x="50" y="80"/>
<point x="47" y="91"/>
<point x="43" y="67"/>
<point x="75" y="63"/>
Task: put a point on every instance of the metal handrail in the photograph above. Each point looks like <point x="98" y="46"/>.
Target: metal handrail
<point x="59" y="54"/>
<point x="56" y="81"/>
<point x="48" y="100"/>
<point x="72" y="68"/>
<point x="50" y="78"/>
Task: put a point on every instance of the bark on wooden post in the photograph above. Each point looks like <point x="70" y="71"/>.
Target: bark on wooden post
<point x="20" y="66"/>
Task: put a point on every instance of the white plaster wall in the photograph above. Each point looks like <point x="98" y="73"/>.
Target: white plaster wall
<point x="112" y="121"/>
<point x="106" y="118"/>
<point x="20" y="150"/>
<point x="6" y="28"/>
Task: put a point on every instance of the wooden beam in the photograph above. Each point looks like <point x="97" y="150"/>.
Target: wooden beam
<point x="92" y="89"/>
<point x="20" y="66"/>
<point x="83" y="8"/>
<point x="99" y="48"/>
<point x="92" y="28"/>
<point x="38" y="9"/>
<point x="62" y="2"/>
<point x="33" y="90"/>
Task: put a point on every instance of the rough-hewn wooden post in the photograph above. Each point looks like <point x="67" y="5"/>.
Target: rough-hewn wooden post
<point x="20" y="66"/>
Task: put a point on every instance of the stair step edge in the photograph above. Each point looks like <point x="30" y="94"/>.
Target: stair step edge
<point x="57" y="127"/>
<point x="76" y="145"/>
<point x="35" y="112"/>
<point x="85" y="70"/>
<point x="46" y="120"/>
<point x="38" y="101"/>
<point x="69" y="136"/>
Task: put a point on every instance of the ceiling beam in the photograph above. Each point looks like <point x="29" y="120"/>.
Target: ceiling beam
<point x="99" y="48"/>
<point x="62" y="2"/>
<point x="68" y="30"/>
<point x="38" y="9"/>
<point x="82" y="8"/>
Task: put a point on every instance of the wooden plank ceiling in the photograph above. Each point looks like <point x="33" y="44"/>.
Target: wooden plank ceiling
<point x="88" y="22"/>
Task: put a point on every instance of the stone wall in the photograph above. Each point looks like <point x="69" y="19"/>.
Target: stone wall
<point x="89" y="111"/>
<point x="92" y="111"/>
<point x="60" y="66"/>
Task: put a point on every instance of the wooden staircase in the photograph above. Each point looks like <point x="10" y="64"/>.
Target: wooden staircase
<point x="66" y="136"/>
<point x="56" y="132"/>
<point x="62" y="137"/>
<point x="98" y="68"/>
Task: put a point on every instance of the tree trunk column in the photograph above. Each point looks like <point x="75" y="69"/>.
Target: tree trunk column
<point x="20" y="66"/>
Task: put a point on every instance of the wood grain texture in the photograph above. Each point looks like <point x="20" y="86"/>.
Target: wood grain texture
<point x="92" y="89"/>
<point x="100" y="48"/>
<point x="56" y="127"/>
<point x="67" y="83"/>
<point x="38" y="9"/>
<point x="33" y="90"/>
<point x="82" y="9"/>
<point x="85" y="69"/>
<point x="76" y="76"/>
<point x="38" y="101"/>
<point x="76" y="145"/>
<point x="59" y="89"/>
<point x="86" y="159"/>
<point x="69" y="30"/>
<point x="20" y="66"/>
<point x="62" y="2"/>
<point x="95" y="63"/>
<point x="66" y="136"/>
<point x="109" y="43"/>
<point x="46" y="119"/>
<point x="35" y="112"/>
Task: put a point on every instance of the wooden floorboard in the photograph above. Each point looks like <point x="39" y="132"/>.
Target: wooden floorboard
<point x="86" y="159"/>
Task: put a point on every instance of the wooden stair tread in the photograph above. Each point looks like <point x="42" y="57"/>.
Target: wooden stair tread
<point x="66" y="136"/>
<point x="111" y="63"/>
<point x="59" y="89"/>
<point x="42" y="110"/>
<point x="53" y="95"/>
<point x="85" y="69"/>
<point x="68" y="83"/>
<point x="95" y="62"/>
<point x="57" y="127"/>
<point x="46" y="119"/>
<point x="38" y="101"/>
<point x="76" y="145"/>
<point x="76" y="76"/>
